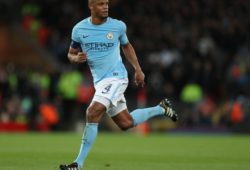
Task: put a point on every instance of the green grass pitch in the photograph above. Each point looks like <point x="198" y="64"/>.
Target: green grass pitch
<point x="126" y="151"/>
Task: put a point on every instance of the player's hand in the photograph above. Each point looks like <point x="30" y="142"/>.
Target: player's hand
<point x="139" y="78"/>
<point x="81" y="57"/>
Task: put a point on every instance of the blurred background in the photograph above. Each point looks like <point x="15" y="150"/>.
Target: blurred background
<point x="196" y="53"/>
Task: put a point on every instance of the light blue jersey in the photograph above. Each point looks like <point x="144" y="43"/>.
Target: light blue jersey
<point x="102" y="45"/>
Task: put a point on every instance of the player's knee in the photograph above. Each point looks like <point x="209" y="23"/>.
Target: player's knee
<point x="126" y="125"/>
<point x="94" y="114"/>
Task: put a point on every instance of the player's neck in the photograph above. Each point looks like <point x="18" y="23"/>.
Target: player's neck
<point x="97" y="20"/>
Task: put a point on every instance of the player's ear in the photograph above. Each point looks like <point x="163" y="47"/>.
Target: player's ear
<point x="90" y="4"/>
<point x="90" y="7"/>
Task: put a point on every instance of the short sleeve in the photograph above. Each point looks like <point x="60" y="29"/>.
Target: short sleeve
<point x="74" y="35"/>
<point x="123" y="37"/>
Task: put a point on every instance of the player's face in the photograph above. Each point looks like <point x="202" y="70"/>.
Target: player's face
<point x="100" y="8"/>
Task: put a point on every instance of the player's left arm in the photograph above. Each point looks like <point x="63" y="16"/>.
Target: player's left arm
<point x="130" y="55"/>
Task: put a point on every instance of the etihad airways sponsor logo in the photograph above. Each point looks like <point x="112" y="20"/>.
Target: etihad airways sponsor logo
<point x="98" y="46"/>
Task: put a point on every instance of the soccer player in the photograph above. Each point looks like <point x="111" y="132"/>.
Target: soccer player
<point x="97" y="40"/>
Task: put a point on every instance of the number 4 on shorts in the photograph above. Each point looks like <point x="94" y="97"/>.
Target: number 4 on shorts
<point x="106" y="89"/>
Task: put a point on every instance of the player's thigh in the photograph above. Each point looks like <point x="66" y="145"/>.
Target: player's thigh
<point x="123" y="119"/>
<point x="95" y="111"/>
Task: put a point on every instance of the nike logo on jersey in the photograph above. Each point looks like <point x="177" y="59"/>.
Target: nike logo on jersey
<point x="85" y="36"/>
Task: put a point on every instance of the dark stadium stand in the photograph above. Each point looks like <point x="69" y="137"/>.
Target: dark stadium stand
<point x="194" y="52"/>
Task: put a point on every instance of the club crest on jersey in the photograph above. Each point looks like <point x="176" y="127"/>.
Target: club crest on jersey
<point x="110" y="36"/>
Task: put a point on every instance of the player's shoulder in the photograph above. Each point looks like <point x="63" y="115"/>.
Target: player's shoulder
<point x="80" y="24"/>
<point x="117" y="22"/>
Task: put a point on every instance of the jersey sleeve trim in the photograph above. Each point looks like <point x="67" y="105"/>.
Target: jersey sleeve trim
<point x="75" y="45"/>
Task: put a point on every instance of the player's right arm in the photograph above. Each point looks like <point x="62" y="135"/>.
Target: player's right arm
<point x="76" y="56"/>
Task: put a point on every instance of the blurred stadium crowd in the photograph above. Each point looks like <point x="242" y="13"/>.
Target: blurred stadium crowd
<point x="194" y="52"/>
